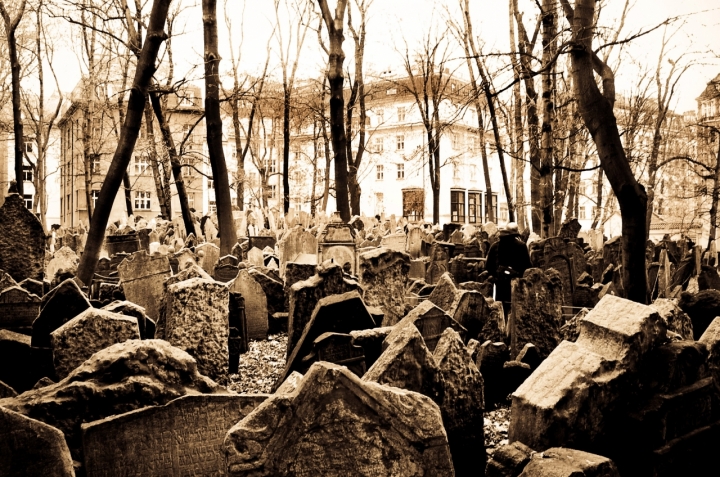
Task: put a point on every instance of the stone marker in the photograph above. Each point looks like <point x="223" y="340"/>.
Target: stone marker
<point x="256" y="310"/>
<point x="142" y="277"/>
<point x="564" y="462"/>
<point x="333" y="424"/>
<point x="16" y="369"/>
<point x="18" y="308"/>
<point x="295" y="243"/>
<point x="414" y="241"/>
<point x="383" y="275"/>
<point x="63" y="260"/>
<point x="462" y="405"/>
<point x="255" y="257"/>
<point x="208" y="254"/>
<point x="88" y="333"/>
<point x="483" y="317"/>
<point x="128" y="308"/>
<point x="22" y="240"/>
<point x="183" y="437"/>
<point x="338" y="348"/>
<point x="675" y="319"/>
<point x="60" y="305"/>
<point x="185" y="258"/>
<point x="394" y="242"/>
<point x="30" y="448"/>
<point x="536" y="317"/>
<point x="197" y="322"/>
<point x="430" y="320"/>
<point x="126" y="376"/>
<point x="6" y="281"/>
<point x="408" y="364"/>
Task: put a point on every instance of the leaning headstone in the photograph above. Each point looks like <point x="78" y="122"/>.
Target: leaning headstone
<point x="31" y="448"/>
<point x="430" y="320"/>
<point x="483" y="317"/>
<point x="22" y="240"/>
<point x="383" y="274"/>
<point x="331" y="424"/>
<point x="60" y="305"/>
<point x="18" y="308"/>
<point x="536" y="316"/>
<point x="208" y="254"/>
<point x="33" y="286"/>
<point x="338" y="348"/>
<point x="463" y="404"/>
<point x="63" y="260"/>
<point x="128" y="308"/>
<point x="256" y="311"/>
<point x="183" y="437"/>
<point x="295" y="272"/>
<point x="88" y="333"/>
<point x="184" y="258"/>
<point x="408" y="364"/>
<point x="142" y="277"/>
<point x="197" y="322"/>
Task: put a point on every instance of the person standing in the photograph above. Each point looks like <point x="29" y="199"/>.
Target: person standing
<point x="507" y="258"/>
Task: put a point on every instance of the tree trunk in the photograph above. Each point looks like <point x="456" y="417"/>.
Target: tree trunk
<point x="519" y="153"/>
<point x="547" y="159"/>
<point x="715" y="199"/>
<point x="127" y="189"/>
<point x="337" y="101"/>
<point x="596" y="109"/>
<point x="154" y="164"/>
<point x="174" y="162"/>
<point x="11" y="25"/>
<point x="128" y="137"/>
<point x="213" y="123"/>
<point x="357" y="97"/>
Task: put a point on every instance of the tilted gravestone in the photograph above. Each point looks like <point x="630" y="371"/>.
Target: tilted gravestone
<point x="297" y="242"/>
<point x="303" y="433"/>
<point x="208" y="255"/>
<point x="22" y="240"/>
<point x="430" y="321"/>
<point x="59" y="305"/>
<point x="18" y="308"/>
<point x="383" y="274"/>
<point x="183" y="437"/>
<point x="256" y="310"/>
<point x="338" y="348"/>
<point x="142" y="277"/>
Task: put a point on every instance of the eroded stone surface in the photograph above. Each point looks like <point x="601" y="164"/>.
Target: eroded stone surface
<point x="30" y="448"/>
<point x="256" y="309"/>
<point x="59" y="305"/>
<point x="22" y="240"/>
<point x="63" y="260"/>
<point x="676" y="320"/>
<point x="86" y="334"/>
<point x="336" y="424"/>
<point x="564" y="462"/>
<point x="142" y="277"/>
<point x="383" y="275"/>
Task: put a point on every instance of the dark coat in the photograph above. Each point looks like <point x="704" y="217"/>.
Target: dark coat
<point x="509" y="254"/>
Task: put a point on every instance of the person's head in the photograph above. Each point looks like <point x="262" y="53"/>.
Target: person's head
<point x="510" y="229"/>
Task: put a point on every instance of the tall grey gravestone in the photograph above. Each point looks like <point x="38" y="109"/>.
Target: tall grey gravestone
<point x="22" y="240"/>
<point x="142" y="277"/>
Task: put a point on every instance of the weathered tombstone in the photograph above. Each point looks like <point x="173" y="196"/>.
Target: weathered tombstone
<point x="297" y="242"/>
<point x="295" y="272"/>
<point x="255" y="257"/>
<point x="570" y="229"/>
<point x="430" y="321"/>
<point x="482" y="316"/>
<point x="337" y="348"/>
<point x="664" y="276"/>
<point x="22" y="240"/>
<point x="556" y="256"/>
<point x="256" y="310"/>
<point x="128" y="308"/>
<point x="142" y="277"/>
<point x="395" y="242"/>
<point x="63" y="260"/>
<point x="197" y="321"/>
<point x="33" y="286"/>
<point x="15" y="350"/>
<point x="536" y="311"/>
<point x="60" y="305"/>
<point x="439" y="259"/>
<point x="226" y="269"/>
<point x="414" y="242"/>
<point x="302" y="432"/>
<point x="6" y="281"/>
<point x="208" y="254"/>
<point x="184" y="258"/>
<point x="18" y="308"/>
<point x="88" y="333"/>
<point x="183" y="437"/>
<point x="262" y="241"/>
<point x="31" y="448"/>
<point x="383" y="274"/>
<point x="337" y="243"/>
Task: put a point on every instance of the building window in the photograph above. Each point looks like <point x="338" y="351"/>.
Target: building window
<point x="378" y="144"/>
<point x="28" y="148"/>
<point x="457" y="205"/>
<point x="142" y="200"/>
<point x="401" y="114"/>
<point x="494" y="206"/>
<point x="456" y="171"/>
<point x="273" y="191"/>
<point x="95" y="164"/>
<point x="140" y="164"/>
<point x="474" y="207"/>
<point x="27" y="173"/>
<point x="582" y="214"/>
<point x="212" y="207"/>
<point x="504" y="212"/>
<point x="379" y="202"/>
<point x="28" y="201"/>
<point x="94" y="195"/>
<point x="270" y="166"/>
<point x="454" y="141"/>
<point x="211" y="184"/>
<point x="380" y="114"/>
<point x="400" y="142"/>
<point x="401" y="171"/>
<point x="380" y="172"/>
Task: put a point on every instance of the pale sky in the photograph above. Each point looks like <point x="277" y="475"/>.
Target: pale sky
<point x="392" y="23"/>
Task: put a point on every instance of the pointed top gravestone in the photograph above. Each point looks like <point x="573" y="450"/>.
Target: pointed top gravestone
<point x="60" y="305"/>
<point x="22" y="240"/>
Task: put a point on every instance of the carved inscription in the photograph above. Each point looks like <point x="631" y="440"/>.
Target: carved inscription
<point x="182" y="438"/>
<point x="13" y="315"/>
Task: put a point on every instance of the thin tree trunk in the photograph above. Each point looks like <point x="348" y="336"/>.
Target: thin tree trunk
<point x="153" y="158"/>
<point x="337" y="111"/>
<point x="128" y="137"/>
<point x="547" y="153"/>
<point x="519" y="151"/>
<point x="357" y="97"/>
<point x="715" y="199"/>
<point x="128" y="193"/>
<point x="213" y="123"/>
<point x="11" y="25"/>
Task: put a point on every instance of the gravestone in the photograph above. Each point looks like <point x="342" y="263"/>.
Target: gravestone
<point x="664" y="275"/>
<point x="60" y="305"/>
<point x="183" y="437"/>
<point x="262" y="241"/>
<point x="22" y="240"/>
<point x="18" y="308"/>
<point x="88" y="333"/>
<point x="226" y="269"/>
<point x="555" y="253"/>
<point x="383" y="274"/>
<point x="142" y="277"/>
<point x="15" y="349"/>
<point x="63" y="260"/>
<point x="255" y="257"/>
<point x="295" y="243"/>
<point x="6" y="281"/>
<point x="295" y="272"/>
<point x="31" y="448"/>
<point x="331" y="423"/>
<point x="184" y="258"/>
<point x="208" y="254"/>
<point x="439" y="259"/>
<point x="414" y="242"/>
<point x="482" y="317"/>
<point x="430" y="321"/>
<point x="256" y="310"/>
<point x="196" y="321"/>
<point x="338" y="348"/>
<point x="33" y="286"/>
<point x="337" y="243"/>
<point x="128" y="308"/>
<point x="536" y="311"/>
<point x="394" y="241"/>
